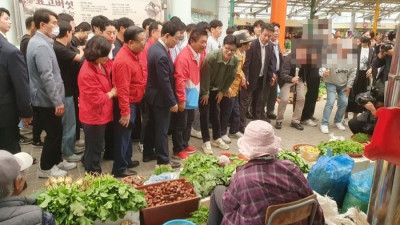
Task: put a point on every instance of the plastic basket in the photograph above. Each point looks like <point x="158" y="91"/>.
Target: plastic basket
<point x="179" y="222"/>
<point x="309" y="156"/>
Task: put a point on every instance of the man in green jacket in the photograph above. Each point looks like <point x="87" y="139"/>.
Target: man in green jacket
<point x="218" y="71"/>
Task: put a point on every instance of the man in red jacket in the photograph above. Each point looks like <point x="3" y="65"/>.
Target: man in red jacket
<point x="130" y="83"/>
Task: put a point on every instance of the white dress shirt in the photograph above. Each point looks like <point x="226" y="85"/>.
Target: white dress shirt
<point x="262" y="57"/>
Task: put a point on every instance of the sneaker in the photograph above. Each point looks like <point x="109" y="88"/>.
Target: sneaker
<point x="182" y="155"/>
<point x="309" y="122"/>
<point x="190" y="150"/>
<point x="226" y="139"/>
<point x="23" y="140"/>
<point x="324" y="129"/>
<point x="195" y="133"/>
<point x="79" y="150"/>
<point x="346" y="121"/>
<point x="37" y="144"/>
<point x="237" y="135"/>
<point x="220" y="144"/>
<point x="73" y="158"/>
<point x="53" y="172"/>
<point x="207" y="148"/>
<point x="340" y="126"/>
<point x="65" y="165"/>
<point x="140" y="147"/>
<point x="80" y="143"/>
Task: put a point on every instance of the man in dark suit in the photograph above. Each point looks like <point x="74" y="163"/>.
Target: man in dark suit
<point x="270" y="93"/>
<point x="14" y="93"/>
<point x="259" y="68"/>
<point x="160" y="96"/>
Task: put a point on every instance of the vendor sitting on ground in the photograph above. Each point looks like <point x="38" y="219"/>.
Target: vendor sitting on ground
<point x="262" y="182"/>
<point x="15" y="210"/>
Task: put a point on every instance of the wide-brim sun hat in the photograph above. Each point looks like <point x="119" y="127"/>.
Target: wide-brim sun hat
<point x="243" y="36"/>
<point x="259" y="140"/>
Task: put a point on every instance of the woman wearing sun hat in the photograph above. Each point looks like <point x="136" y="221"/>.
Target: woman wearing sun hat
<point x="262" y="182"/>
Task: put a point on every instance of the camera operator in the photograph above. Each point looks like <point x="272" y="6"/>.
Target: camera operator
<point x="365" y="122"/>
<point x="384" y="58"/>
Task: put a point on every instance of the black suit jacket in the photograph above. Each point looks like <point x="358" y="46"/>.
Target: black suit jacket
<point x="252" y="64"/>
<point x="14" y="85"/>
<point x="160" y="79"/>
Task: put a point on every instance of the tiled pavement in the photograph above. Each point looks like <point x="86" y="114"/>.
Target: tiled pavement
<point x="290" y="137"/>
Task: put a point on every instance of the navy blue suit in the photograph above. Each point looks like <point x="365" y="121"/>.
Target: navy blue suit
<point x="14" y="95"/>
<point x="160" y="98"/>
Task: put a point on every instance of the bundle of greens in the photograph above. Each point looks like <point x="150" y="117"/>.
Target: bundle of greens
<point x="361" y="138"/>
<point x="163" y="169"/>
<point x="293" y="157"/>
<point x="94" y="197"/>
<point x="200" y="216"/>
<point x="341" y="147"/>
<point x="204" y="172"/>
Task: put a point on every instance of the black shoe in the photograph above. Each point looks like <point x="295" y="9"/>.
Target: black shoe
<point x="278" y="125"/>
<point x="174" y="165"/>
<point x="249" y="115"/>
<point x="125" y="173"/>
<point x="298" y="126"/>
<point x="271" y="116"/>
<point x="315" y="120"/>
<point x="38" y="144"/>
<point x="266" y="119"/>
<point x="149" y="158"/>
<point x="133" y="164"/>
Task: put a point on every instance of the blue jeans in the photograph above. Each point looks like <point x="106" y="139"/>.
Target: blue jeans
<point x="69" y="128"/>
<point x="122" y="139"/>
<point x="331" y="90"/>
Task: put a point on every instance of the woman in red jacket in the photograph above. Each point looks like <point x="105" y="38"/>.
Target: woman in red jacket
<point x="95" y="99"/>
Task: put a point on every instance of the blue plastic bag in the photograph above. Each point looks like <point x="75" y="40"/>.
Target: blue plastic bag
<point x="330" y="176"/>
<point x="359" y="190"/>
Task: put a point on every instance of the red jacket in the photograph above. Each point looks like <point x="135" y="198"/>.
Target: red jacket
<point x="128" y="79"/>
<point x="95" y="107"/>
<point x="143" y="57"/>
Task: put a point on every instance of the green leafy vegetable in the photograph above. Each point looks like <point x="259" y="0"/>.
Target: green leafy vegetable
<point x="361" y="138"/>
<point x="162" y="169"/>
<point x="293" y="157"/>
<point x="341" y="147"/>
<point x="200" y="216"/>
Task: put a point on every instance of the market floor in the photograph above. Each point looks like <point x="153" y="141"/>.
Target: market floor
<point x="289" y="135"/>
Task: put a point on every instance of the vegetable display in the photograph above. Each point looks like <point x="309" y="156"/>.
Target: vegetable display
<point x="361" y="138"/>
<point x="93" y="197"/>
<point x="162" y="169"/>
<point x="133" y="181"/>
<point x="200" y="216"/>
<point x="204" y="172"/>
<point x="293" y="157"/>
<point x="168" y="192"/>
<point x="341" y="147"/>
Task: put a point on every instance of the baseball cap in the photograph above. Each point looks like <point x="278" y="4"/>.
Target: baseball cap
<point x="11" y="165"/>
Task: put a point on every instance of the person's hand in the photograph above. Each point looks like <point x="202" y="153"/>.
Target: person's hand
<point x="113" y="93"/>
<point x="347" y="90"/>
<point x="369" y="73"/>
<point x="219" y="97"/>
<point x="174" y="108"/>
<point x="273" y="79"/>
<point x="124" y="121"/>
<point x="59" y="110"/>
<point x="370" y="107"/>
<point x="181" y="106"/>
<point x="326" y="73"/>
<point x="295" y="80"/>
<point x="27" y="121"/>
<point x="389" y="52"/>
<point x="204" y="99"/>
<point x="244" y="83"/>
<point x="229" y="94"/>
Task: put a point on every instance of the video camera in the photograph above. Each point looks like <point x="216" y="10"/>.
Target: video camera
<point x="387" y="46"/>
<point x="369" y="96"/>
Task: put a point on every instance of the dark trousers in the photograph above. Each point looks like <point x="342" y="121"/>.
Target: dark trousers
<point x="271" y="93"/>
<point x="256" y="98"/>
<point x="230" y="113"/>
<point x="94" y="139"/>
<point x="311" y="97"/>
<point x="156" y="136"/>
<point x="122" y="139"/>
<point x="212" y="112"/>
<point x="145" y="115"/>
<point x="37" y="127"/>
<point x="51" y="152"/>
<point x="181" y="127"/>
<point x="9" y="138"/>
<point x="216" y="213"/>
<point x="78" y="124"/>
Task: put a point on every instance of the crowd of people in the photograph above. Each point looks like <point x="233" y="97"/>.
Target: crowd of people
<point x="174" y="78"/>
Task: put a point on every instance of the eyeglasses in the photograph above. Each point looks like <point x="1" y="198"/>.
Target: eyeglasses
<point x="230" y="50"/>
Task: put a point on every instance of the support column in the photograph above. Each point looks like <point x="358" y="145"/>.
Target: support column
<point x="377" y="7"/>
<point x="181" y="9"/>
<point x="353" y="22"/>
<point x="232" y="10"/>
<point x="278" y="15"/>
<point x="223" y="15"/>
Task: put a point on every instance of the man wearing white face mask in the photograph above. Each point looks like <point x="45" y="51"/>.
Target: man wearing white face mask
<point x="47" y="92"/>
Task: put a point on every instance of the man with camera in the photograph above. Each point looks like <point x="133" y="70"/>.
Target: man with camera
<point x="384" y="58"/>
